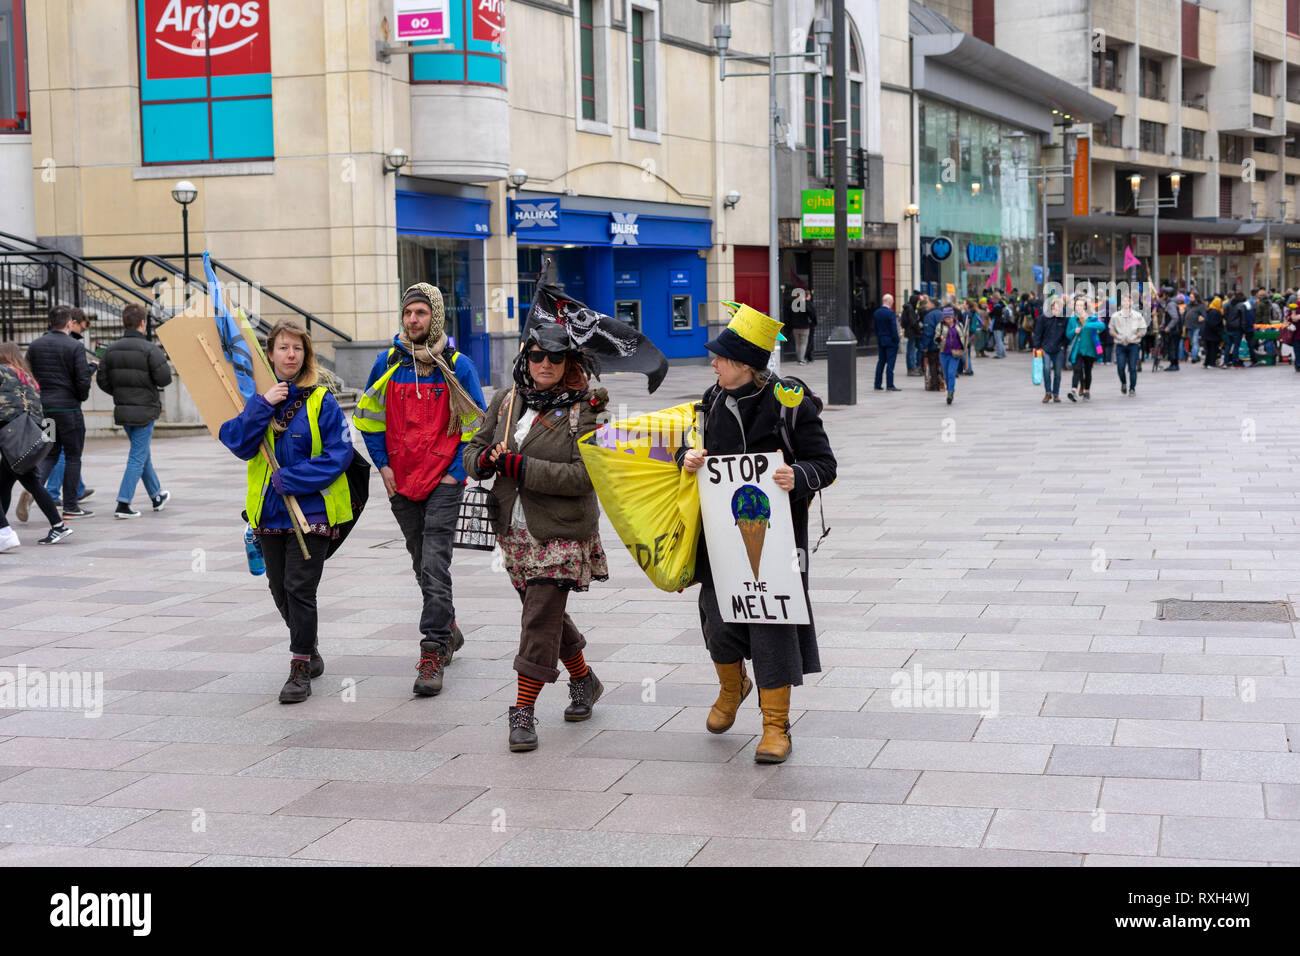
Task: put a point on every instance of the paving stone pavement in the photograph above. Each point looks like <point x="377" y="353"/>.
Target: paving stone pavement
<point x="1023" y="544"/>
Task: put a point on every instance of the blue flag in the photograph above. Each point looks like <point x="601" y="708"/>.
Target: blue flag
<point x="233" y="346"/>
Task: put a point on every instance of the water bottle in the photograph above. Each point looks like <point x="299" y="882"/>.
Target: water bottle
<point x="253" y="550"/>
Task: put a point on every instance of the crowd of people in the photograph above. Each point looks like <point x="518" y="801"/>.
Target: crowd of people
<point x="1074" y="333"/>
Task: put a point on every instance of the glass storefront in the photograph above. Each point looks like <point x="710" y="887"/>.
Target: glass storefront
<point x="449" y="265"/>
<point x="974" y="192"/>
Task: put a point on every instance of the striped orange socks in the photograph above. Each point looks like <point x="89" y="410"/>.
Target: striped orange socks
<point x="528" y="691"/>
<point x="576" y="666"/>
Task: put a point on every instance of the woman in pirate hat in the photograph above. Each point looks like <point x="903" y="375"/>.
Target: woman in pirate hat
<point x="750" y="410"/>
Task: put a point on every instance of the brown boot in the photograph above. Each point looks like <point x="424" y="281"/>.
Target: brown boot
<point x="775" y="745"/>
<point x="736" y="686"/>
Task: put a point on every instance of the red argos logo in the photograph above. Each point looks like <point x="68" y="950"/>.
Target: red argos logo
<point x="184" y="36"/>
<point x="489" y="19"/>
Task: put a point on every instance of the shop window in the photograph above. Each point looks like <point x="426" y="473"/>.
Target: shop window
<point x="474" y="51"/>
<point x="1193" y="144"/>
<point x="643" y="71"/>
<point x="592" y="42"/>
<point x="1151" y="137"/>
<point x="205" y="82"/>
<point x="818" y="104"/>
<point x="14" y="116"/>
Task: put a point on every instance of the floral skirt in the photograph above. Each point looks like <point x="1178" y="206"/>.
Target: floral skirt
<point x="569" y="564"/>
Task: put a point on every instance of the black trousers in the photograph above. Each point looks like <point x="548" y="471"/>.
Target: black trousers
<point x="35" y="487"/>
<point x="1081" y="379"/>
<point x="69" y="440"/>
<point x="293" y="583"/>
<point x="1211" y="351"/>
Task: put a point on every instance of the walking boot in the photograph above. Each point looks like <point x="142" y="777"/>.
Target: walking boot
<point x="522" y="734"/>
<point x="428" y="681"/>
<point x="775" y="745"/>
<point x="735" y="687"/>
<point x="583" y="694"/>
<point x="317" y="663"/>
<point x="457" y="642"/>
<point x="298" y="687"/>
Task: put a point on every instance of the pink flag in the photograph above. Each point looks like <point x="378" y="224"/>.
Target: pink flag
<point x="993" y="279"/>
<point x="1130" y="260"/>
<point x="1008" y="283"/>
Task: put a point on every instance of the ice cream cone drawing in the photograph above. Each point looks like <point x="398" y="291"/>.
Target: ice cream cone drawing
<point x="752" y="511"/>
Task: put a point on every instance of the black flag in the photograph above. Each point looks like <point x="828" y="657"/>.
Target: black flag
<point x="619" y="347"/>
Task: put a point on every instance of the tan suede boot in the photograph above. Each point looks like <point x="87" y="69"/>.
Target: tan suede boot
<point x="775" y="745"/>
<point x="736" y="686"/>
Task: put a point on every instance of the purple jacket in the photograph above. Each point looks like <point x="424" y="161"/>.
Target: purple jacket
<point x="952" y="339"/>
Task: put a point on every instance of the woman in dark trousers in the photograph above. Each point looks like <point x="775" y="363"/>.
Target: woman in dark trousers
<point x="1049" y="335"/>
<point x="311" y="441"/>
<point x="1212" y="332"/>
<point x="20" y="395"/>
<point x="1084" y="348"/>
<point x="548" y="519"/>
<point x="743" y="414"/>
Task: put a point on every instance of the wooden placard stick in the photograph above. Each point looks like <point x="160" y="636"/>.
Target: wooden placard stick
<point x="296" y="517"/>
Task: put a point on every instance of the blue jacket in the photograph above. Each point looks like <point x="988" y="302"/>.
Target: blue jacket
<point x="931" y="323"/>
<point x="886" y="321"/>
<point x="1083" y="333"/>
<point x="300" y="474"/>
<point x="1049" y="332"/>
<point x="401" y="391"/>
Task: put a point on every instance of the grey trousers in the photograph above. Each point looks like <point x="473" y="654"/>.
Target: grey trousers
<point x="427" y="526"/>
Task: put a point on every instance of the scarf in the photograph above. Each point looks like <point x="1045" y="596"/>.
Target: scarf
<point x="428" y="356"/>
<point x="565" y="393"/>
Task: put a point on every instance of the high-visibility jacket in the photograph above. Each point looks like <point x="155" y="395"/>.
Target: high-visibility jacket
<point x="404" y="418"/>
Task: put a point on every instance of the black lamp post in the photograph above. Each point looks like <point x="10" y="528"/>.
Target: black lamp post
<point x="185" y="192"/>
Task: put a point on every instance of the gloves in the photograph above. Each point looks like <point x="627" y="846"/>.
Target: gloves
<point x="511" y="465"/>
<point x="277" y="482"/>
<point x="485" y="464"/>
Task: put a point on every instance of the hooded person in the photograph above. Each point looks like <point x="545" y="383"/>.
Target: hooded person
<point x="547" y="519"/>
<point x="422" y="403"/>
<point x="749" y="411"/>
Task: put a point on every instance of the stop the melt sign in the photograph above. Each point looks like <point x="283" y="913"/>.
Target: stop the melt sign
<point x="422" y="19"/>
<point x="183" y="36"/>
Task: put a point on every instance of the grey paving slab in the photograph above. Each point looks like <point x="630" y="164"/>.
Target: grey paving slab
<point x="1250" y="766"/>
<point x="250" y="834"/>
<point x="1066" y="730"/>
<point x="634" y="745"/>
<point x="721" y="816"/>
<point x="318" y="763"/>
<point x="900" y="855"/>
<point x="530" y="770"/>
<point x="74" y="754"/>
<point x="922" y="826"/>
<point x="75" y="826"/>
<point x="596" y="848"/>
<point x="217" y="730"/>
<point x="1168" y="763"/>
<point x="740" y="778"/>
<point x="200" y="758"/>
<point x="365" y="735"/>
<point x="411" y="802"/>
<point x="1282" y="801"/>
<point x="963" y="756"/>
<point x="1216" y="838"/>
<point x="727" y="851"/>
<point x="213" y="794"/>
<point x="1202" y="798"/>
<point x="64" y="786"/>
<point x="840" y="784"/>
<point x="1075" y="832"/>
<point x="1011" y="790"/>
<point x="510" y="811"/>
<point x="1200" y="734"/>
<point x="1122" y="705"/>
<point x="82" y="857"/>
<point x="888" y="726"/>
<point x="407" y="844"/>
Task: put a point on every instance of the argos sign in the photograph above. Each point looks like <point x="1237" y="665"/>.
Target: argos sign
<point x="184" y="36"/>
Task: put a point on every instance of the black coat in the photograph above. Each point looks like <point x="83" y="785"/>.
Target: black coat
<point x="17" y="395"/>
<point x="132" y="370"/>
<point x="813" y="462"/>
<point x="59" y="365"/>
<point x="1049" y="332"/>
<point x="1213" y="324"/>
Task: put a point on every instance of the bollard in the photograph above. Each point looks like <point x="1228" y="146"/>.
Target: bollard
<point x="842" y="367"/>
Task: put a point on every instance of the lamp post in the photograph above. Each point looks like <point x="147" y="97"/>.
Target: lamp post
<point x="184" y="192"/>
<point x="721" y="41"/>
<point x="1156" y="203"/>
<point x="1041" y="174"/>
<point x="912" y="211"/>
<point x="1281" y="259"/>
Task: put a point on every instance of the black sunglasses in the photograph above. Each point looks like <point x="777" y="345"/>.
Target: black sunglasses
<point x="536" y="356"/>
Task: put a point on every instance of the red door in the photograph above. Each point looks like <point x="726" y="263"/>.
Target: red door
<point x="751" y="277"/>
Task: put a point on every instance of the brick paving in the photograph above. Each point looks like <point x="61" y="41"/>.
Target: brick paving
<point x="1024" y="542"/>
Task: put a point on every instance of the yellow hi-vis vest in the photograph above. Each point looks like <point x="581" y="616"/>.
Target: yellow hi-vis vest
<point x="338" y="497"/>
<point x="370" y="415"/>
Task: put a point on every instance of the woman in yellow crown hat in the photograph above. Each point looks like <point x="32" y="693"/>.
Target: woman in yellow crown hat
<point x="749" y="410"/>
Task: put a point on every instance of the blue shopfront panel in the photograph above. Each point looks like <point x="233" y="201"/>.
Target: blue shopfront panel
<point x="455" y="216"/>
<point x="664" y="278"/>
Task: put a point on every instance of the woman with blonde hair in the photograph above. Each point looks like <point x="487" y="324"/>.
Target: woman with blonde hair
<point x="303" y="423"/>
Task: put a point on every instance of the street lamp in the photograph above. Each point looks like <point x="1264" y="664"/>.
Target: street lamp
<point x="722" y="41"/>
<point x="912" y="211"/>
<point x="185" y="192"/>
<point x="1041" y="174"/>
<point x="1156" y="203"/>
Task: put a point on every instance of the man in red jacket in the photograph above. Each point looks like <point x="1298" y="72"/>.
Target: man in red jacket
<point x="422" y="403"/>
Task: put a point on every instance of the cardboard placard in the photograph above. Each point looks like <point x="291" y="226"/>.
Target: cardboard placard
<point x="192" y="342"/>
<point x="750" y="537"/>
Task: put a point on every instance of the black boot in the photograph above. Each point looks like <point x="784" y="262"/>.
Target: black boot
<point x="298" y="687"/>
<point x="522" y="735"/>
<point x="317" y="663"/>
<point x="583" y="694"/>
<point x="428" y="670"/>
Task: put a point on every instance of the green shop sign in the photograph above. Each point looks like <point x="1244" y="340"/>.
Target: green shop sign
<point x="819" y="214"/>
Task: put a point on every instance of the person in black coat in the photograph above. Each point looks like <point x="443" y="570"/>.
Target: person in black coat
<point x="800" y="318"/>
<point x="1050" y="336"/>
<point x="132" y="370"/>
<point x="1234" y="319"/>
<point x="744" y="413"/>
<point x="1212" y="334"/>
<point x="886" y="324"/>
<point x="59" y="365"/>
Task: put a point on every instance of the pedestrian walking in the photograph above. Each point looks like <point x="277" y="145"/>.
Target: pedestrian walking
<point x="547" y="520"/>
<point x="1194" y="321"/>
<point x="973" y="324"/>
<point x="59" y="365"/>
<point x="1084" y="348"/>
<point x="1002" y="322"/>
<point x="303" y="423"/>
<point x="1213" y="331"/>
<point x="20" y="395"/>
<point x="801" y="319"/>
<point x="913" y="330"/>
<point x="1025" y="321"/>
<point x="1234" y="320"/>
<point x="422" y="404"/>
<point x="133" y="370"/>
<point x="930" y="357"/>
<point x="885" y="322"/>
<point x="78" y="327"/>
<point x="952" y="346"/>
<point x="743" y="415"/>
<point x="1173" y="330"/>
<point x="1127" y="326"/>
<point x="1050" y="336"/>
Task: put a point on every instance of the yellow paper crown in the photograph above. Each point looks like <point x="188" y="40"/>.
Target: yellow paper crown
<point x="755" y="327"/>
